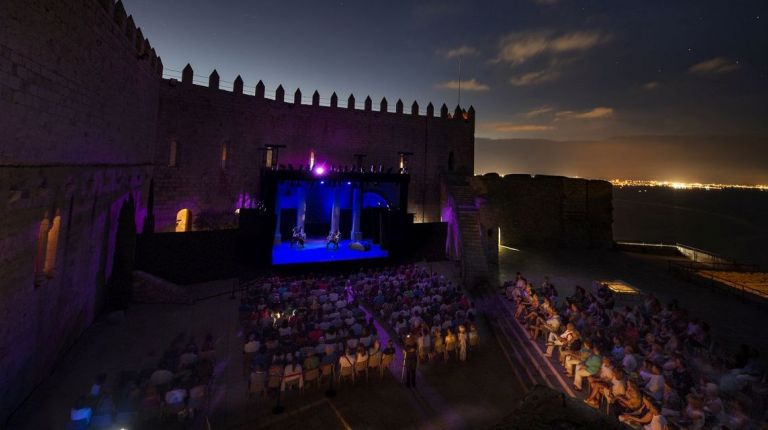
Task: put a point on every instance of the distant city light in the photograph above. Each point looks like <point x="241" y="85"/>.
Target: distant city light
<point x="683" y="185"/>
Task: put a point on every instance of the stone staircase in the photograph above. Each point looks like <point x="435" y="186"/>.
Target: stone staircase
<point x="474" y="263"/>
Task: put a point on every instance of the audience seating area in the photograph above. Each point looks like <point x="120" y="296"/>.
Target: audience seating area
<point x="299" y="333"/>
<point x="173" y="390"/>
<point x="651" y="365"/>
<point x="422" y="307"/>
<point x="303" y="332"/>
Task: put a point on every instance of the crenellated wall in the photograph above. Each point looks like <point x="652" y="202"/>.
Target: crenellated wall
<point x="199" y="121"/>
<point x="546" y="211"/>
<point x="78" y="116"/>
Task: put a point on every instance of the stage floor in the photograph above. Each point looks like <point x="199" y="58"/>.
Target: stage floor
<point x="314" y="251"/>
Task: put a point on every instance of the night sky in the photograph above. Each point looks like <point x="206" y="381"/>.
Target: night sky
<point x="619" y="86"/>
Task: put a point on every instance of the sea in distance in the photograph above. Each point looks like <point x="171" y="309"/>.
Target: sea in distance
<point x="732" y="223"/>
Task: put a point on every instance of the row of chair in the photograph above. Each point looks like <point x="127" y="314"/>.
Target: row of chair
<point x="262" y="382"/>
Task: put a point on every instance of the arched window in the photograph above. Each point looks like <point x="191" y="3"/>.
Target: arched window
<point x="51" y="246"/>
<point x="224" y="156"/>
<point x="40" y="250"/>
<point x="173" y="153"/>
<point x="183" y="220"/>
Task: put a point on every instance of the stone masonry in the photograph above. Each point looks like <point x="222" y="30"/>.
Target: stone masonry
<point x="78" y="111"/>
<point x="199" y="124"/>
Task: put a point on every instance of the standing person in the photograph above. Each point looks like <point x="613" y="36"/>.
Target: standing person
<point x="462" y="343"/>
<point x="410" y="362"/>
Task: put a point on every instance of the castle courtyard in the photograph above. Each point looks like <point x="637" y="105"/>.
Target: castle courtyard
<point x="479" y="393"/>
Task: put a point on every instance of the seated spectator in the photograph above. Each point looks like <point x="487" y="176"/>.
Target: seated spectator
<point x="654" y="381"/>
<point x="176" y="395"/>
<point x="632" y="399"/>
<point x="362" y="354"/>
<point x="571" y="359"/>
<point x="713" y="404"/>
<point x="562" y="341"/>
<point x="694" y="413"/>
<point x="292" y="372"/>
<point x="390" y="349"/>
<point x="629" y="362"/>
<point x="98" y="383"/>
<point x="311" y="361"/>
<point x="252" y="345"/>
<point x="348" y="359"/>
<point x="588" y="368"/>
<point x="735" y="418"/>
<point x="642" y="416"/>
<point x="161" y="376"/>
<point x="599" y="385"/>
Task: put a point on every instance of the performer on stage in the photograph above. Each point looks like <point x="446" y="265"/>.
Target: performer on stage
<point x="298" y="236"/>
<point x="333" y="239"/>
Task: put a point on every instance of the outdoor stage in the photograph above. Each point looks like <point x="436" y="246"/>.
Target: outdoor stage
<point x="314" y="251"/>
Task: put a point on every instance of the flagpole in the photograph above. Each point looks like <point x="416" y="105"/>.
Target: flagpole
<point x="459" y="103"/>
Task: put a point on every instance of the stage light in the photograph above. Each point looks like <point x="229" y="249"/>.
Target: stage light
<point x="322" y="182"/>
<point x="349" y="183"/>
<point x="319" y="170"/>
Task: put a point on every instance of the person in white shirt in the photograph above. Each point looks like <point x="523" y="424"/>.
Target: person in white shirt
<point x="292" y="372"/>
<point x="565" y="338"/>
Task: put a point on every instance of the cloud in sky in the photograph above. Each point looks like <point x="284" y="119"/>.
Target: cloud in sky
<point x="510" y="127"/>
<point x="535" y="78"/>
<point x="459" y="51"/>
<point x="517" y="48"/>
<point x="596" y="113"/>
<point x="714" y="66"/>
<point x="537" y="112"/>
<point x="470" y="85"/>
<point x="651" y="86"/>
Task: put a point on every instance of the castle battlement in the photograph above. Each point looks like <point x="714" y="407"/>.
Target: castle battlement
<point x="127" y="27"/>
<point x="459" y="114"/>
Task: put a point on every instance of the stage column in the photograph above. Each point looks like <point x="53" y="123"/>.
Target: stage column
<point x="278" y="237"/>
<point x="336" y="210"/>
<point x="301" y="210"/>
<point x="357" y="204"/>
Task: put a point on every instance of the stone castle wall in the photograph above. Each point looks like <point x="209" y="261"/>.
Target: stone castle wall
<point x="78" y="108"/>
<point x="547" y="211"/>
<point x="201" y="121"/>
<point x="87" y="130"/>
